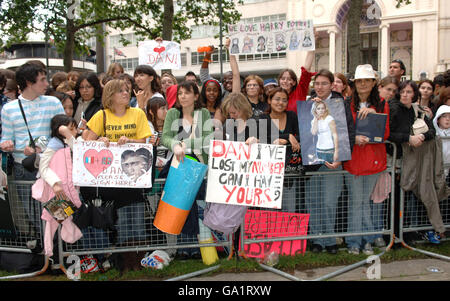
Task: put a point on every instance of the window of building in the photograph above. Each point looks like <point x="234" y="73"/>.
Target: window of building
<point x="128" y="64"/>
<point x="114" y="40"/>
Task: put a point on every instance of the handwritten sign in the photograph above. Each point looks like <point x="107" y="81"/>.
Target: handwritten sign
<point x="160" y="55"/>
<point x="261" y="224"/>
<point x="270" y="37"/>
<point x="247" y="175"/>
<point x="128" y="165"/>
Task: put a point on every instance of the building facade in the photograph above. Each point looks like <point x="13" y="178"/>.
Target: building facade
<point x="415" y="33"/>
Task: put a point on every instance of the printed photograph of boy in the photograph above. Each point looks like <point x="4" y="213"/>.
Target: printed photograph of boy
<point x="136" y="163"/>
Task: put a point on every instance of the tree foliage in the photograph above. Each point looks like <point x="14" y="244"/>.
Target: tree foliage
<point x="71" y="23"/>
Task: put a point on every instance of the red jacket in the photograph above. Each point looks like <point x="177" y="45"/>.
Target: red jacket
<point x="370" y="158"/>
<point x="301" y="91"/>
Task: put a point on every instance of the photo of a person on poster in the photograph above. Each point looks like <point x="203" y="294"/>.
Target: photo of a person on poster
<point x="136" y="163"/>
<point x="323" y="128"/>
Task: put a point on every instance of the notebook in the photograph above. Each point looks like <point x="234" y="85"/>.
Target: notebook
<point x="373" y="127"/>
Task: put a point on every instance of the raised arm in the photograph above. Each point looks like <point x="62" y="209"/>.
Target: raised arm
<point x="234" y="69"/>
<point x="204" y="69"/>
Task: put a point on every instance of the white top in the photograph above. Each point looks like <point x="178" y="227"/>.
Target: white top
<point x="324" y="136"/>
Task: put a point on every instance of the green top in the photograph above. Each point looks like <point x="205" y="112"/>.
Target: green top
<point x="204" y="124"/>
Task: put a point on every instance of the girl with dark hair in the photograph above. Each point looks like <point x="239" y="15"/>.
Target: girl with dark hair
<point x="341" y="85"/>
<point x="367" y="163"/>
<point x="187" y="108"/>
<point x="187" y="131"/>
<point x="148" y="85"/>
<point x="297" y="89"/>
<point x="63" y="131"/>
<point x="88" y="97"/>
<point x="131" y="84"/>
<point x="419" y="158"/>
<point x="387" y="87"/>
<point x="282" y="129"/>
<point x="426" y="94"/>
<point x="211" y="97"/>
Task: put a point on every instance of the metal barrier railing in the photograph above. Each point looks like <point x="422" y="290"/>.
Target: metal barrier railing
<point x="328" y="219"/>
<point x="137" y="232"/>
<point x="26" y="214"/>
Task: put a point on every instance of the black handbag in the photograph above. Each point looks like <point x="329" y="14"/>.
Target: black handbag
<point x="30" y="163"/>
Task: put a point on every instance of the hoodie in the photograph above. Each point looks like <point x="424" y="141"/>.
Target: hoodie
<point x="443" y="133"/>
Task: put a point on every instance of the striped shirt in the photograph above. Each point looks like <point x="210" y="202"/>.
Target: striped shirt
<point x="38" y="112"/>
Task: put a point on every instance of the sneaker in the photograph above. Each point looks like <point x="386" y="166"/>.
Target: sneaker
<point x="89" y="264"/>
<point x="379" y="242"/>
<point x="368" y="249"/>
<point x="106" y="265"/>
<point x="432" y="237"/>
<point x="353" y="251"/>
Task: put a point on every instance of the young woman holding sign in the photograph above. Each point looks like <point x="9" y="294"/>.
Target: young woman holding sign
<point x="239" y="126"/>
<point x="122" y="125"/>
<point x="187" y="131"/>
<point x="282" y="129"/>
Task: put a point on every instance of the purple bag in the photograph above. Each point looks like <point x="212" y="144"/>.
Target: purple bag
<point x="224" y="218"/>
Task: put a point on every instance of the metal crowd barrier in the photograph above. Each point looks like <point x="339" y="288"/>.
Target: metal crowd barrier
<point x="26" y="214"/>
<point x="330" y="220"/>
<point x="138" y="234"/>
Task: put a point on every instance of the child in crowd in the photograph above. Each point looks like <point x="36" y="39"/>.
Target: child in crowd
<point x="156" y="112"/>
<point x="63" y="132"/>
<point x="441" y="123"/>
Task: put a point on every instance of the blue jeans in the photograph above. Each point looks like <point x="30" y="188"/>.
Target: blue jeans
<point x="94" y="238"/>
<point x="360" y="212"/>
<point x="321" y="196"/>
<point x="379" y="214"/>
<point x="131" y="223"/>
<point x="31" y="206"/>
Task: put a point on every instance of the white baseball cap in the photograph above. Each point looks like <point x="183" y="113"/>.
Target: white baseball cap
<point x="364" y="71"/>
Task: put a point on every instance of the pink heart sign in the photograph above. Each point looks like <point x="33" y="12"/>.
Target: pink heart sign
<point x="96" y="162"/>
<point x="159" y="49"/>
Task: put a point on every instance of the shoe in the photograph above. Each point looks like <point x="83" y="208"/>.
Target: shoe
<point x="332" y="249"/>
<point x="353" y="251"/>
<point x="89" y="264"/>
<point x="432" y="237"/>
<point x="368" y="249"/>
<point x="379" y="242"/>
<point x="316" y="248"/>
<point x="106" y="265"/>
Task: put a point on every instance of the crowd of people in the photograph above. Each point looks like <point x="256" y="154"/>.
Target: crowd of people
<point x="89" y="106"/>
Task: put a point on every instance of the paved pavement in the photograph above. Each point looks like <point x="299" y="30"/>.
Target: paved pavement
<point x="409" y="270"/>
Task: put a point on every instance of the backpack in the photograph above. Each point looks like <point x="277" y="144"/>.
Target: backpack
<point x="224" y="218"/>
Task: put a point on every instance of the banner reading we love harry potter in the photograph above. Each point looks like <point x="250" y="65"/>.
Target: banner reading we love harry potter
<point x="245" y="174"/>
<point x="270" y="37"/>
<point x="128" y="165"/>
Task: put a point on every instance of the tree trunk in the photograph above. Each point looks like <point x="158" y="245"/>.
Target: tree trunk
<point x="353" y="36"/>
<point x="69" y="46"/>
<point x="167" y="25"/>
<point x="167" y="20"/>
<point x="100" y="50"/>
